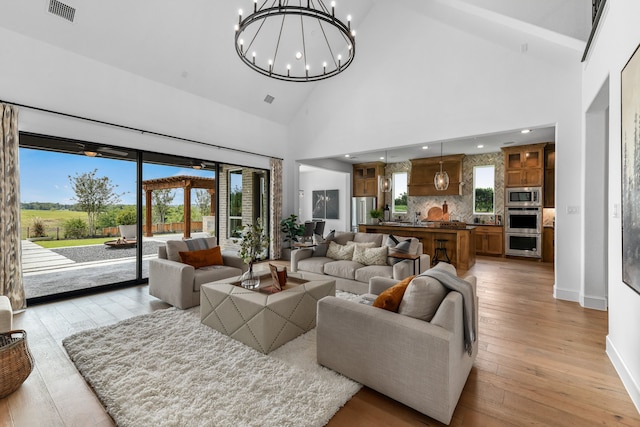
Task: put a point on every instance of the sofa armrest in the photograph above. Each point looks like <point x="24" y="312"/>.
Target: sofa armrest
<point x="299" y="254"/>
<point x="171" y="281"/>
<point x="405" y="268"/>
<point x="232" y="259"/>
<point x="379" y="284"/>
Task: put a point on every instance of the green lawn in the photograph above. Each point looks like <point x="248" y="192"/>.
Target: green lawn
<point x="52" y="220"/>
<point x="51" y="244"/>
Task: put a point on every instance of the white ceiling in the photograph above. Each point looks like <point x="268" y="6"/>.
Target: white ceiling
<point x="479" y="144"/>
<point x="189" y="45"/>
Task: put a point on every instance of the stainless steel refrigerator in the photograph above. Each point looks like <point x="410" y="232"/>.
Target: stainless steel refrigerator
<point x="360" y="208"/>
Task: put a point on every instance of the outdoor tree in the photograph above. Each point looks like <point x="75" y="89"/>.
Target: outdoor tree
<point x="162" y="202"/>
<point x="484" y="200"/>
<point x="400" y="202"/>
<point x="203" y="201"/>
<point x="93" y="195"/>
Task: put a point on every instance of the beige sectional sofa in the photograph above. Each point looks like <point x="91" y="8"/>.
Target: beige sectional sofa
<point x="350" y="274"/>
<point x="422" y="364"/>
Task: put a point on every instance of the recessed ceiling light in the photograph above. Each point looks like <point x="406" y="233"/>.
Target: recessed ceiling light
<point x="425" y="147"/>
<point x="480" y="146"/>
<point x="525" y="131"/>
<point x="347" y="155"/>
<point x="381" y="157"/>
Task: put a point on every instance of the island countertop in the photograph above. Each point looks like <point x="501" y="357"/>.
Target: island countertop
<point x="458" y="242"/>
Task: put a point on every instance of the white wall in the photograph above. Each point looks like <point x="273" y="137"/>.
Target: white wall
<point x="617" y="39"/>
<point x="313" y="179"/>
<point x="37" y="74"/>
<point x="432" y="82"/>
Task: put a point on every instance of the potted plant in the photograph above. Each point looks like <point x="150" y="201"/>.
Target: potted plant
<point x="376" y="214"/>
<point x="252" y="246"/>
<point x="291" y="229"/>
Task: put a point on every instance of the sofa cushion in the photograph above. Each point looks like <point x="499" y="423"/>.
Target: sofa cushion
<point x="214" y="273"/>
<point x="340" y="252"/>
<point x="370" y="256"/>
<point x="422" y="298"/>
<point x="202" y="258"/>
<point x="390" y="299"/>
<point x="365" y="273"/>
<point x="343" y="268"/>
<point x="320" y="250"/>
<point x="174" y="247"/>
<point x="362" y="244"/>
<point x="368" y="237"/>
<point x="342" y="237"/>
<point x="314" y="264"/>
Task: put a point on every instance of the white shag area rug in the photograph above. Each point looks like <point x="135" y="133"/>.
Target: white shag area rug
<point x="168" y="369"/>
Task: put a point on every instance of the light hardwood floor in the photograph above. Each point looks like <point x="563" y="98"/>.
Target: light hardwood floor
<point x="541" y="361"/>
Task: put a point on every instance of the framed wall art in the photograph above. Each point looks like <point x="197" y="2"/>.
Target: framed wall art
<point x="325" y="204"/>
<point x="630" y="97"/>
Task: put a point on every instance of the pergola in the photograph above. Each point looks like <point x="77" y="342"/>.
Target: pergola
<point x="184" y="182"/>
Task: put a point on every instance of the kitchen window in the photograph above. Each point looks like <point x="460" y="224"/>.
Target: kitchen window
<point x="399" y="189"/>
<point x="483" y="190"/>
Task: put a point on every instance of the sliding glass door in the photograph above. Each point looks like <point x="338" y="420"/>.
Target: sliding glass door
<point x="93" y="215"/>
<point x="75" y="200"/>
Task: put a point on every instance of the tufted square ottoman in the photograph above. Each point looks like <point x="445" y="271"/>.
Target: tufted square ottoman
<point x="261" y="320"/>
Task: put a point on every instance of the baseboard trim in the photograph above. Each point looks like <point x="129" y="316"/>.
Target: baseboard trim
<point x="627" y="379"/>
<point x="565" y="295"/>
<point x="596" y="303"/>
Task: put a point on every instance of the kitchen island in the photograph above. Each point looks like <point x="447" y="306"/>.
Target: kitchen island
<point x="460" y="242"/>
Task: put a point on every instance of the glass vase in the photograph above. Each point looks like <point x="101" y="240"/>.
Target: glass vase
<point x="249" y="279"/>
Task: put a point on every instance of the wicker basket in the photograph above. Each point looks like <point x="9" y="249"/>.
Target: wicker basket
<point x="16" y="362"/>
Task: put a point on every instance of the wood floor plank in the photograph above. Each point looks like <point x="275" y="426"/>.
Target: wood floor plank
<point x="541" y="361"/>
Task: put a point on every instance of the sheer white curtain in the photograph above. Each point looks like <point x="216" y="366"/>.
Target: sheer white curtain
<point x="276" y="208"/>
<point x="11" y="284"/>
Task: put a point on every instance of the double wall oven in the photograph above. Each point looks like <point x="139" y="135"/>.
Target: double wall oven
<point x="523" y="222"/>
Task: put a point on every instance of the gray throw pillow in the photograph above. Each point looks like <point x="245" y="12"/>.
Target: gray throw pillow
<point x="402" y="247"/>
<point x="422" y="298"/>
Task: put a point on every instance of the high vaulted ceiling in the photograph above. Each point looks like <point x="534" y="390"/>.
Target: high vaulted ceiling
<point x="189" y="44"/>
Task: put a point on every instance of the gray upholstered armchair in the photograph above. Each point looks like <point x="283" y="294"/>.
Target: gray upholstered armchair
<point x="422" y="364"/>
<point x="178" y="283"/>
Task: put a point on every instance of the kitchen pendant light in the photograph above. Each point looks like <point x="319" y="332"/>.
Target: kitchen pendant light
<point x="385" y="183"/>
<point x="441" y="180"/>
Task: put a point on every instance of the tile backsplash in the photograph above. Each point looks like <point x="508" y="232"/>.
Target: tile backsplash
<point x="460" y="207"/>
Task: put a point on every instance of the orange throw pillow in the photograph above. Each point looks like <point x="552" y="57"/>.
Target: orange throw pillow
<point x="202" y="258"/>
<point x="391" y="298"/>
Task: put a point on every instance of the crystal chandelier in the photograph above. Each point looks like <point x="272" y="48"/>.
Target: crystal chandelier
<point x="298" y="41"/>
<point x="441" y="180"/>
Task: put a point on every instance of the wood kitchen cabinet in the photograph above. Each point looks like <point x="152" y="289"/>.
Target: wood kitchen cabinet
<point x="365" y="179"/>
<point x="424" y="170"/>
<point x="524" y="165"/>
<point x="549" y="176"/>
<point x="489" y="240"/>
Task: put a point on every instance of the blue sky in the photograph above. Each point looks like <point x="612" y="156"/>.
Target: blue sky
<point x="44" y="175"/>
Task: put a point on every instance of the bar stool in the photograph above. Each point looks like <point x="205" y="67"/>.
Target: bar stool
<point x="440" y="250"/>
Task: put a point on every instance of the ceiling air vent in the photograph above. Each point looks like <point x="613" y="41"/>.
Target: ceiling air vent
<point x="268" y="99"/>
<point x="62" y="10"/>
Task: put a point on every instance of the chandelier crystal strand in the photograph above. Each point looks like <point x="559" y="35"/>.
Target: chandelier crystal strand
<point x="317" y="47"/>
